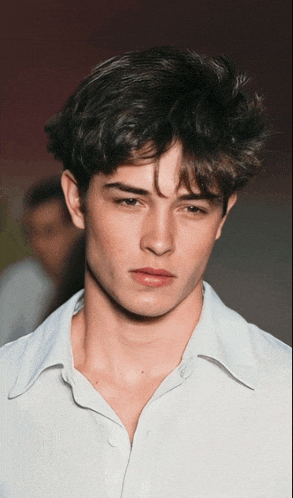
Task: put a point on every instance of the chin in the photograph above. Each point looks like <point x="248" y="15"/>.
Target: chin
<point x="142" y="311"/>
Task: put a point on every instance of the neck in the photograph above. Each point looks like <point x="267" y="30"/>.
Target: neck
<point x="107" y="337"/>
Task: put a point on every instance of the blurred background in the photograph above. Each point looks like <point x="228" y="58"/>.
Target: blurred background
<point x="48" y="47"/>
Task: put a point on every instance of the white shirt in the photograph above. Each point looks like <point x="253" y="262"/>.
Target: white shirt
<point x="217" y="427"/>
<point x="26" y="292"/>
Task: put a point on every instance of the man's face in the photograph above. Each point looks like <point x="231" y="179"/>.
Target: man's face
<point x="148" y="251"/>
<point x="50" y="237"/>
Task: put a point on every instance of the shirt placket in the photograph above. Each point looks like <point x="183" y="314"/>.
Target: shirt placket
<point x="115" y="444"/>
<point x="125" y="466"/>
<point x="137" y="480"/>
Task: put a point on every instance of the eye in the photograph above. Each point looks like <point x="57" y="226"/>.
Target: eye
<point x="131" y="202"/>
<point x="194" y="209"/>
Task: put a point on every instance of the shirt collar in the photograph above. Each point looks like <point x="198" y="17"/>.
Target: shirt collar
<point x="224" y="337"/>
<point x="221" y="335"/>
<point x="48" y="346"/>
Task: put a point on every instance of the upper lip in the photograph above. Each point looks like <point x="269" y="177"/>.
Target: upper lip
<point x="155" y="271"/>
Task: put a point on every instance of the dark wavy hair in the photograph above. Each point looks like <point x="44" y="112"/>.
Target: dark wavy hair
<point x="136" y="106"/>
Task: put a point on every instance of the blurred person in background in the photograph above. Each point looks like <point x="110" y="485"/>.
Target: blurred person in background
<point x="32" y="288"/>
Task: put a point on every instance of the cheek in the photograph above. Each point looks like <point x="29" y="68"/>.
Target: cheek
<point x="111" y="235"/>
<point x="198" y="241"/>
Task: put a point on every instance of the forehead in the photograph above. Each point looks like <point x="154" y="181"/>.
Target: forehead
<point x="168" y="172"/>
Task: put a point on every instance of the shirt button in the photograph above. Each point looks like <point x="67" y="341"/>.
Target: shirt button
<point x="113" y="441"/>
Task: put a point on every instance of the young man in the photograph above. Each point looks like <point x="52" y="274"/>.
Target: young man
<point x="145" y="385"/>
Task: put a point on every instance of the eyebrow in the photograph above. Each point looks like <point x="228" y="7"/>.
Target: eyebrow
<point x="198" y="197"/>
<point x="124" y="187"/>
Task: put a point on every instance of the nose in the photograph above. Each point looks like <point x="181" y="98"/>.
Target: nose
<point x="158" y="235"/>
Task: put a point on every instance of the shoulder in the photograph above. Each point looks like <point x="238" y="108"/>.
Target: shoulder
<point x="28" y="270"/>
<point x="21" y="361"/>
<point x="20" y="267"/>
<point x="25" y="293"/>
<point x="11" y="356"/>
<point x="273" y="357"/>
<point x="247" y="345"/>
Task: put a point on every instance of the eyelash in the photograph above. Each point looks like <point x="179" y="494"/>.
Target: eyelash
<point x="129" y="203"/>
<point x="196" y="210"/>
<point x="126" y="202"/>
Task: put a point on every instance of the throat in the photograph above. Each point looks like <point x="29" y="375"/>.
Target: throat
<point x="127" y="395"/>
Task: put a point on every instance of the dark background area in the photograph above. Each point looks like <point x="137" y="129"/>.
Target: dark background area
<point x="48" y="47"/>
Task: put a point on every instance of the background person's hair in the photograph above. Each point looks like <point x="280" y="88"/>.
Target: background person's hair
<point x="136" y="106"/>
<point x="45" y="190"/>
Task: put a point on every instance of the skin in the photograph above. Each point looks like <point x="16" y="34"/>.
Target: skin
<point x="50" y="237"/>
<point x="130" y="336"/>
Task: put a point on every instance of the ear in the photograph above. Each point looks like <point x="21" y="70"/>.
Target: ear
<point x="231" y="202"/>
<point x="72" y="197"/>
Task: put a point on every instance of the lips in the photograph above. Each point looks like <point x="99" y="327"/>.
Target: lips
<point x="152" y="277"/>
<point x="154" y="271"/>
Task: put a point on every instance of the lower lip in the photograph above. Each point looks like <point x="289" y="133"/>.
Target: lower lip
<point x="151" y="280"/>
